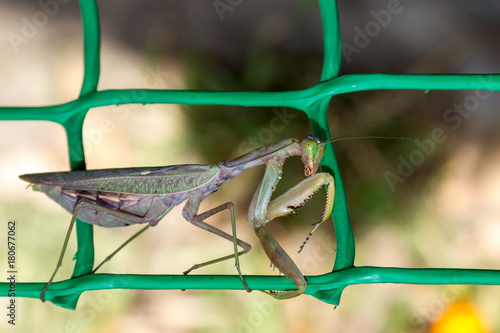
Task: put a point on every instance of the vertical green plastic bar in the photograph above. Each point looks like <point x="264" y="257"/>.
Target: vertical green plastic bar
<point x="74" y="126"/>
<point x="91" y="46"/>
<point x="332" y="53"/>
<point x="318" y="115"/>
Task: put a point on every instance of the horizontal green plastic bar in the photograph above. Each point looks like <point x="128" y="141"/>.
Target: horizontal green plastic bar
<point x="299" y="99"/>
<point x="325" y="287"/>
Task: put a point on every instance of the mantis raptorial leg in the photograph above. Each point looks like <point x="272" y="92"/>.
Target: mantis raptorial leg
<point x="263" y="211"/>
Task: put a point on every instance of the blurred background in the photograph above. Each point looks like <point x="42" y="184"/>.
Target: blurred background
<point x="433" y="204"/>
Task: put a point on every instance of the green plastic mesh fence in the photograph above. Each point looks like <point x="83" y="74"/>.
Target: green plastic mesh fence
<point x="313" y="101"/>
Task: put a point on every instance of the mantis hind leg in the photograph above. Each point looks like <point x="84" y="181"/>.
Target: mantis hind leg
<point x="197" y="220"/>
<point x="108" y="258"/>
<point x="84" y="204"/>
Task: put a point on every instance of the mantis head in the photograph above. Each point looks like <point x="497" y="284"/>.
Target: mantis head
<point x="312" y="152"/>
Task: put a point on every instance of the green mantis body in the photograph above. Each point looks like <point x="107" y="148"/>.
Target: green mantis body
<point x="121" y="197"/>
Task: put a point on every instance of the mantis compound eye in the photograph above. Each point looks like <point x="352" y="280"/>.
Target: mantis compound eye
<point x="312" y="152"/>
<point x="310" y="148"/>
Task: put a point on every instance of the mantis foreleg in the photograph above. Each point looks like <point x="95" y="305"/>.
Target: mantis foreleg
<point x="262" y="211"/>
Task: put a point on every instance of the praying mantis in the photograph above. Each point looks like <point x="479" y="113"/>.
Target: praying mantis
<point x="121" y="197"/>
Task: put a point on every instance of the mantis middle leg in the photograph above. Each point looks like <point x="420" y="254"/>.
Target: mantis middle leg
<point x="190" y="213"/>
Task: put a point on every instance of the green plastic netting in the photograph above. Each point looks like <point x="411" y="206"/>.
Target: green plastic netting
<point x="313" y="101"/>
